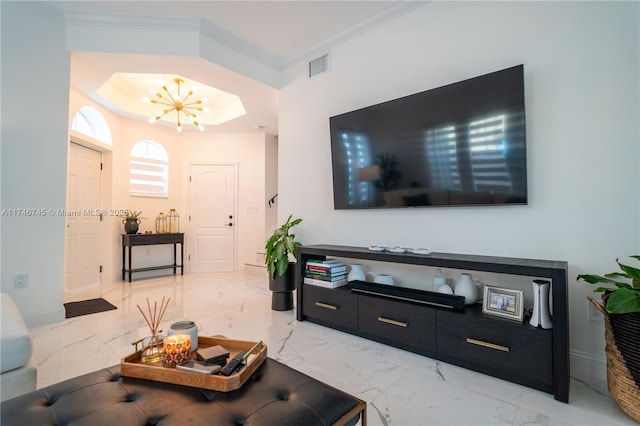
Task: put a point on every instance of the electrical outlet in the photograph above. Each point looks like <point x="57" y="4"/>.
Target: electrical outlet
<point x="21" y="280"/>
<point x="594" y="313"/>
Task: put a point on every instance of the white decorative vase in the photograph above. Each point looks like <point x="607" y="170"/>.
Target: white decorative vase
<point x="383" y="279"/>
<point x="445" y="289"/>
<point x="466" y="287"/>
<point x="540" y="316"/>
<point x="438" y="280"/>
<point x="356" y="273"/>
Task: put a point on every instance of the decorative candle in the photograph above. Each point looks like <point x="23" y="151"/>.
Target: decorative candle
<point x="161" y="224"/>
<point x="186" y="327"/>
<point x="176" y="350"/>
<point x="173" y="221"/>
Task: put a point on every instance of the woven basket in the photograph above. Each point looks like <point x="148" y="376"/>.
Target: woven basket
<point x="622" y="346"/>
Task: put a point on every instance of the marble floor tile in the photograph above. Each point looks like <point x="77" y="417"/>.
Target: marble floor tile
<point x="400" y="387"/>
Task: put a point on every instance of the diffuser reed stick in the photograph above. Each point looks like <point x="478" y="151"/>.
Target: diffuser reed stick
<point x="152" y="351"/>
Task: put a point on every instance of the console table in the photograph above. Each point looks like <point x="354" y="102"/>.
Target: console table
<point x="131" y="240"/>
<point x="506" y="349"/>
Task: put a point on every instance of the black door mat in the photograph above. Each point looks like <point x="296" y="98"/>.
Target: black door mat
<point x="86" y="307"/>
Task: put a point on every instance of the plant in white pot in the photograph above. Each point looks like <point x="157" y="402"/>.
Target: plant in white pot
<point x="621" y="309"/>
<point x="281" y="271"/>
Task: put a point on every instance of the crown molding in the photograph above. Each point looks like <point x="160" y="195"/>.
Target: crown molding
<point x="212" y="31"/>
<point x="129" y="21"/>
<point x="174" y="23"/>
<point x="366" y="23"/>
<point x="224" y="37"/>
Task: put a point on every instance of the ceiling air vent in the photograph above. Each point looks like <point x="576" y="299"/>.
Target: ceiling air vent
<point x="319" y="65"/>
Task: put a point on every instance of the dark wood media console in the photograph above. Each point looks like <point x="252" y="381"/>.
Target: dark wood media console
<point x="513" y="351"/>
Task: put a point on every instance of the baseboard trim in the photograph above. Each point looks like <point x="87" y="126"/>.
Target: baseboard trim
<point x="584" y="365"/>
<point x="44" y="317"/>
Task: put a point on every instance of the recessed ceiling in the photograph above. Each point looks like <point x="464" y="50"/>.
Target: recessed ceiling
<point x="90" y="71"/>
<point x="126" y="90"/>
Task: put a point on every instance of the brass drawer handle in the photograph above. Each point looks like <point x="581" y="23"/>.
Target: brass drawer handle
<point x="488" y="345"/>
<point x="393" y="322"/>
<point x="326" y="306"/>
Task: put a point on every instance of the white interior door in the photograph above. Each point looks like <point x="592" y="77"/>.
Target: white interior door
<point x="83" y="227"/>
<point x="212" y="226"/>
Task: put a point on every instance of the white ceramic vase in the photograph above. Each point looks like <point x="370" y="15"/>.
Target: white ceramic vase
<point x="540" y="316"/>
<point x="356" y="273"/>
<point x="383" y="279"/>
<point x="445" y="289"/>
<point x="438" y="280"/>
<point x="466" y="287"/>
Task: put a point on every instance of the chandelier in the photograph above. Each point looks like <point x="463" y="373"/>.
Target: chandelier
<point x="181" y="105"/>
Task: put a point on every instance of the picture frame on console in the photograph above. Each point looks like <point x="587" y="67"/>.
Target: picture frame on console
<point x="503" y="302"/>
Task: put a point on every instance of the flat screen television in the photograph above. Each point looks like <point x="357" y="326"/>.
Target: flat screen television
<point x="457" y="145"/>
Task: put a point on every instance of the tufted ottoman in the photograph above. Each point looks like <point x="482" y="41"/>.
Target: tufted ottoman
<point x="275" y="395"/>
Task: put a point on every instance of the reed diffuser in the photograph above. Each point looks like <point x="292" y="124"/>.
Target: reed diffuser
<point x="152" y="350"/>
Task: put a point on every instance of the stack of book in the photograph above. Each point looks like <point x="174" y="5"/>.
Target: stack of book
<point x="325" y="273"/>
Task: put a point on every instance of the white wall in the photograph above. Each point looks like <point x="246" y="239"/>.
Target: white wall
<point x="34" y="156"/>
<point x="581" y="71"/>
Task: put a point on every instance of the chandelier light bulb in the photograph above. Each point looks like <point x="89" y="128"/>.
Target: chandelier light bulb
<point x="146" y="100"/>
<point x="204" y="100"/>
<point x="152" y="120"/>
<point x="200" y="127"/>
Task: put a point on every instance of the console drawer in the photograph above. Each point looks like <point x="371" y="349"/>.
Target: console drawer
<point x="334" y="306"/>
<point x="510" y="350"/>
<point x="403" y="323"/>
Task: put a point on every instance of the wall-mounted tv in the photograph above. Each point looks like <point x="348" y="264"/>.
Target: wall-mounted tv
<point x="457" y="145"/>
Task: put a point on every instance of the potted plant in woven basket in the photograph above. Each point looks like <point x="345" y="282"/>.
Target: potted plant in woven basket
<point x="621" y="309"/>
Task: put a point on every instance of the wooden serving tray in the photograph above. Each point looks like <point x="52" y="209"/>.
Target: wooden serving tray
<point x="132" y="366"/>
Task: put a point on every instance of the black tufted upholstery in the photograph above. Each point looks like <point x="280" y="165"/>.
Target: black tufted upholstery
<point x="275" y="395"/>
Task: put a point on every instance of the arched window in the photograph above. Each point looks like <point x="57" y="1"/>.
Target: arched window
<point x="90" y="122"/>
<point x="149" y="170"/>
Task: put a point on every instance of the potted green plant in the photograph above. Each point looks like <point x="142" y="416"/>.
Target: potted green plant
<point x="281" y="276"/>
<point x="625" y="296"/>
<point x="131" y="220"/>
<point x="621" y="310"/>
